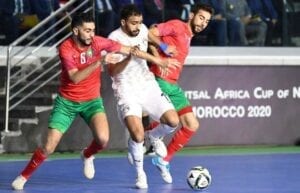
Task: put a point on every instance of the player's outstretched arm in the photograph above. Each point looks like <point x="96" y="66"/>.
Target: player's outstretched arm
<point x="110" y="58"/>
<point x="162" y="62"/>
<point x="118" y="67"/>
<point x="77" y="76"/>
<point x="164" y="71"/>
<point x="154" y="38"/>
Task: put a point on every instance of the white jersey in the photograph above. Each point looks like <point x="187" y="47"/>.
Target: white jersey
<point x="135" y="88"/>
<point x="136" y="73"/>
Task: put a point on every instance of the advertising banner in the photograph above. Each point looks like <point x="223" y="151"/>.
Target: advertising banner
<point x="244" y="104"/>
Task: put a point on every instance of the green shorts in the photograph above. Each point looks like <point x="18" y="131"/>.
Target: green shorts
<point x="65" y="111"/>
<point x="175" y="93"/>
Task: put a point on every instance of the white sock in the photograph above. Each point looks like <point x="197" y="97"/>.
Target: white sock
<point x="137" y="152"/>
<point x="161" y="130"/>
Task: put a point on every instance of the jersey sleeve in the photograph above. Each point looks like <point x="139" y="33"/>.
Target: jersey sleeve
<point x="168" y="28"/>
<point x="144" y="30"/>
<point x="115" y="36"/>
<point x="107" y="44"/>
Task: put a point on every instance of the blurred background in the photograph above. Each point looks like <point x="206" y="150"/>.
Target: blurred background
<point x="265" y="22"/>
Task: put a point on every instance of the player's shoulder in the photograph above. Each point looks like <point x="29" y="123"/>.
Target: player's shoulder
<point x="66" y="43"/>
<point x="114" y="35"/>
<point x="66" y="46"/>
<point x="176" y="22"/>
<point x="144" y="28"/>
<point x="98" y="39"/>
<point x="99" y="42"/>
<point x="175" y="25"/>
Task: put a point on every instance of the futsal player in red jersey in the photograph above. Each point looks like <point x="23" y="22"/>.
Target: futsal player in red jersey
<point x="79" y="93"/>
<point x="172" y="39"/>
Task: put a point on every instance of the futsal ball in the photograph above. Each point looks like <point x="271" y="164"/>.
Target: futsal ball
<point x="198" y="178"/>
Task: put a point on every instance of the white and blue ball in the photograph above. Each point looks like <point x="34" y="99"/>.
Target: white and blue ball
<point x="198" y="178"/>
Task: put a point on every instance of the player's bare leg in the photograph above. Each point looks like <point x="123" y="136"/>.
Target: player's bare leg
<point x="190" y="125"/>
<point x="136" y="149"/>
<point x="38" y="157"/>
<point x="182" y="136"/>
<point x="99" y="127"/>
<point x="169" y="122"/>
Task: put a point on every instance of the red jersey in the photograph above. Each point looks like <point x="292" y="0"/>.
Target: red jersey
<point x="74" y="58"/>
<point x="175" y="33"/>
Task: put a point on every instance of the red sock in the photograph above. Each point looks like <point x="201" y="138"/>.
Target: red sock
<point x="181" y="137"/>
<point x="152" y="125"/>
<point x="92" y="149"/>
<point x="37" y="159"/>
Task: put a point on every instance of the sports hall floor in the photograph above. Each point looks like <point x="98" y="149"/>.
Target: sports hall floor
<point x="233" y="170"/>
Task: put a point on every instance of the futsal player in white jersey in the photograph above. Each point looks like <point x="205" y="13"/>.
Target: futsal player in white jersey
<point x="137" y="91"/>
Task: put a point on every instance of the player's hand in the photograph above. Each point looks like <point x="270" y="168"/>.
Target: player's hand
<point x="167" y="65"/>
<point x="134" y="50"/>
<point x="111" y="58"/>
<point x="168" y="49"/>
<point x="164" y="71"/>
<point x="170" y="63"/>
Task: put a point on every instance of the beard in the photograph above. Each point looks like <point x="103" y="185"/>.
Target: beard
<point x="193" y="27"/>
<point x="84" y="42"/>
<point x="133" y="33"/>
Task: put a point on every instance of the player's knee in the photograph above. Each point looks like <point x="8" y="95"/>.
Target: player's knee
<point x="172" y="121"/>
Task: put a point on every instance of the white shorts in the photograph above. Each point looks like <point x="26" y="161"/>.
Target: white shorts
<point x="150" y="99"/>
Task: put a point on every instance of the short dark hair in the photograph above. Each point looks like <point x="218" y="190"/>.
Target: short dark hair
<point x="81" y="18"/>
<point x="129" y="10"/>
<point x="201" y="6"/>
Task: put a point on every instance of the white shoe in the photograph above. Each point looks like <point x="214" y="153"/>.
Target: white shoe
<point x="164" y="168"/>
<point x="141" y="181"/>
<point x="88" y="166"/>
<point x="158" y="146"/>
<point x="18" y="183"/>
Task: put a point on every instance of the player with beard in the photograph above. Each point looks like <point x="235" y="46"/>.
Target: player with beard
<point x="79" y="93"/>
<point x="137" y="91"/>
<point x="172" y="39"/>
